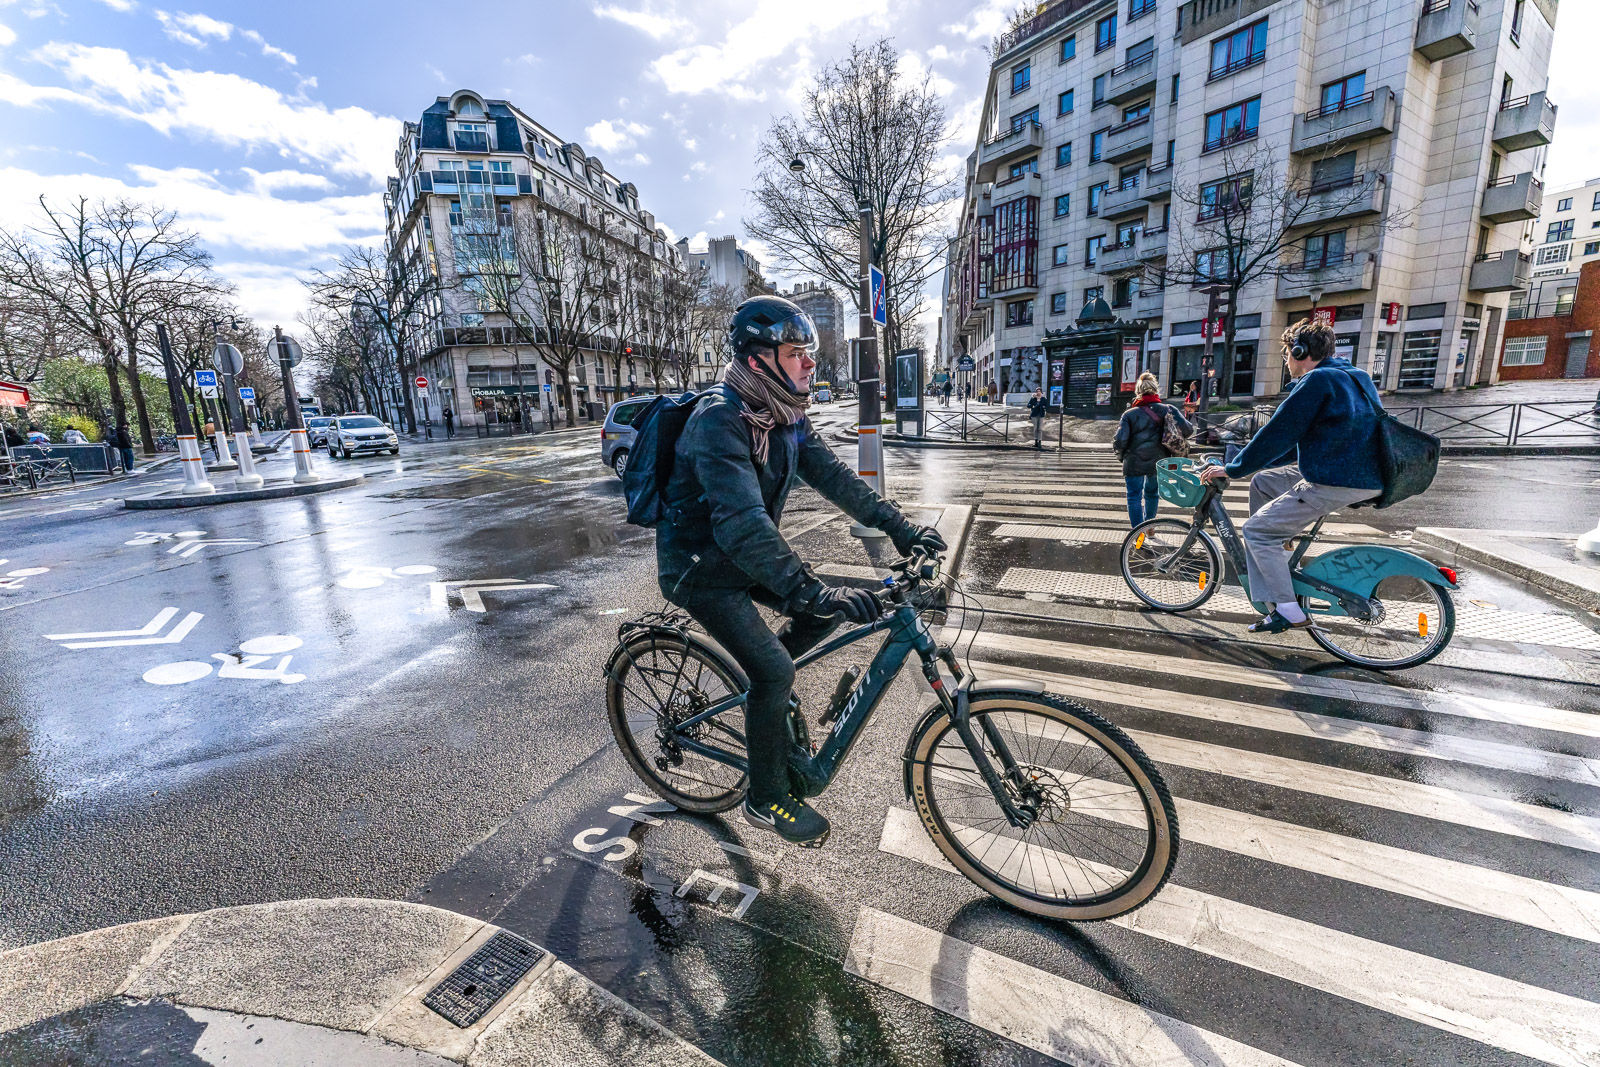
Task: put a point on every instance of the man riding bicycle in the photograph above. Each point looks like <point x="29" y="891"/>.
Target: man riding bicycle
<point x="719" y="552"/>
<point x="1328" y="425"/>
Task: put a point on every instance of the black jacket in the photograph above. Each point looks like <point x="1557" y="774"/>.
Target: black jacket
<point x="720" y="530"/>
<point x="1038" y="407"/>
<point x="1138" y="439"/>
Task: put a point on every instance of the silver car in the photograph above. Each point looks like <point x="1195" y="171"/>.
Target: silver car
<point x="616" y="436"/>
<point x="350" y="434"/>
<point x="317" y="430"/>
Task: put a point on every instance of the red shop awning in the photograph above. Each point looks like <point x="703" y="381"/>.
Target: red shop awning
<point x="14" y="396"/>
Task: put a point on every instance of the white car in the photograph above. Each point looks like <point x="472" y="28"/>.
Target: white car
<point x="350" y="434"/>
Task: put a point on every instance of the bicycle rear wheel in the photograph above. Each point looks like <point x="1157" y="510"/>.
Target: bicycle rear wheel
<point x="1105" y="838"/>
<point x="657" y="681"/>
<point x="1164" y="574"/>
<point x="1415" y="622"/>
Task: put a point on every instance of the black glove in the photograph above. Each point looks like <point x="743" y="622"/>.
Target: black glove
<point x="911" y="537"/>
<point x="856" y="605"/>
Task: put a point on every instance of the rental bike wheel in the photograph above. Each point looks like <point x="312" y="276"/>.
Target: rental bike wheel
<point x="1162" y="572"/>
<point x="658" y="681"/>
<point x="1415" y="622"/>
<point x="1105" y="836"/>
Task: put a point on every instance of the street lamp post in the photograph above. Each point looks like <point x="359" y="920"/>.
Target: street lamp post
<point x="869" y="414"/>
<point x="195" y="482"/>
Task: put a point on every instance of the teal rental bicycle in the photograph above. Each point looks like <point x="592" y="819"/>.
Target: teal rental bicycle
<point x="1371" y="605"/>
<point x="1037" y="800"/>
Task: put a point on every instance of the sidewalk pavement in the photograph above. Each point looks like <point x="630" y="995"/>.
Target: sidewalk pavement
<point x="1549" y="561"/>
<point x="308" y="976"/>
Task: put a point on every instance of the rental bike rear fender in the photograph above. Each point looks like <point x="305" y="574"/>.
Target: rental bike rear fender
<point x="964" y="693"/>
<point x="1359" y="568"/>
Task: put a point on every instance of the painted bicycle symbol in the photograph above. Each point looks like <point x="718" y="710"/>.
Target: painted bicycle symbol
<point x="246" y="664"/>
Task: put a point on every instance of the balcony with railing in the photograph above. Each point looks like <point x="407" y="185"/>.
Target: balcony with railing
<point x="1525" y="122"/>
<point x="1501" y="272"/>
<point x="1153" y="245"/>
<point x="1030" y="183"/>
<point x="1051" y="15"/>
<point x="1133" y="79"/>
<point x="1516" y="198"/>
<point x="1118" y="258"/>
<point x="1447" y="28"/>
<point x="1147" y="303"/>
<point x="1127" y="140"/>
<point x="1340" y="198"/>
<point x="1015" y="144"/>
<point x="1349" y="273"/>
<point x="1125" y="198"/>
<point x="1561" y="307"/>
<point x="1156" y="183"/>
<point x="1353" y="119"/>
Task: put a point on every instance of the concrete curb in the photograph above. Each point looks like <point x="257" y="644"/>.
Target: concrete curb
<point x="893" y="441"/>
<point x="174" y="498"/>
<point x="350" y="964"/>
<point x="149" y="468"/>
<point x="1513" y="553"/>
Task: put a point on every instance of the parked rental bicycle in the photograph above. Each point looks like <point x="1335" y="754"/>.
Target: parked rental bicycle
<point x="1039" y="801"/>
<point x="1371" y="605"/>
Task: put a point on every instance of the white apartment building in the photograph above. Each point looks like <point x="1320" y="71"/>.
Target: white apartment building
<point x="724" y="263"/>
<point x="1565" y="237"/>
<point x="1413" y="136"/>
<point x="469" y="167"/>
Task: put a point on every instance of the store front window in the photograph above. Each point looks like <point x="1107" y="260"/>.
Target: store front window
<point x="1419" y="359"/>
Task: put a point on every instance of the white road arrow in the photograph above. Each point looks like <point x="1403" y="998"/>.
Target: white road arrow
<point x="471" y="592"/>
<point x="143" y="636"/>
<point x="189" y="548"/>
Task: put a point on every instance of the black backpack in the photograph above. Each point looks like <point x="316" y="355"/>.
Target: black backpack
<point x="655" y="448"/>
<point x="1408" y="458"/>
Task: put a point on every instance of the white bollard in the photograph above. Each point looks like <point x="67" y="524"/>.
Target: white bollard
<point x="302" y="457"/>
<point x="248" y="478"/>
<point x="195" y="482"/>
<point x="1590" y="542"/>
<point x="221" y="438"/>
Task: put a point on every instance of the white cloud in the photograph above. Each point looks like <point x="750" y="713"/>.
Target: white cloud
<point x="648" y="20"/>
<point x="226" y="108"/>
<point x="742" y="63"/>
<point x="984" y="21"/>
<point x="7" y="35"/>
<point x="193" y="29"/>
<point x="120" y="5"/>
<point x="700" y="166"/>
<point x="690" y="143"/>
<point x="640" y="159"/>
<point x="610" y="136"/>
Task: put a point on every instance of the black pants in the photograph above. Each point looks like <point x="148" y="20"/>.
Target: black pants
<point x="731" y="618"/>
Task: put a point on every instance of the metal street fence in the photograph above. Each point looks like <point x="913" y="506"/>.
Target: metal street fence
<point x="967" y="425"/>
<point x="1529" y="424"/>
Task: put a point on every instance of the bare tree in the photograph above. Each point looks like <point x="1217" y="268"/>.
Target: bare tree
<point x="709" y="316"/>
<point x="559" y="257"/>
<point x="29" y="335"/>
<point x="1258" y="222"/>
<point x="867" y="134"/>
<point x="393" y="295"/>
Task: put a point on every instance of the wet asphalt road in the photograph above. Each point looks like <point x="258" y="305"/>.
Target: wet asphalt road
<point x="436" y="753"/>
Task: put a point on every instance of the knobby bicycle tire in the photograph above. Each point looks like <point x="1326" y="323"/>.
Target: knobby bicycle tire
<point x="639" y="688"/>
<point x="957" y="840"/>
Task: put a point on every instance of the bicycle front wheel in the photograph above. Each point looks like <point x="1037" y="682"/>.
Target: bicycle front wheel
<point x="656" y="682"/>
<point x="1415" y="622"/>
<point x="1162" y="572"/>
<point x="1105" y="835"/>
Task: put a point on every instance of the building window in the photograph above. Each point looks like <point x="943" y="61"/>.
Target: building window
<point x="1138" y="9"/>
<point x="1212" y="265"/>
<point x="1069" y="48"/>
<point x="1226" y="196"/>
<point x="1105" y="32"/>
<point x="1064" y="103"/>
<point x="1097" y="144"/>
<point x="1564" y="204"/>
<point x="1174" y="98"/>
<point x="1137" y="111"/>
<point x="1063" y="205"/>
<point x="1063" y="158"/>
<point x="1095" y="193"/>
<point x="1335" y="172"/>
<point x="1022" y="118"/>
<point x="1524" y="351"/>
<point x="1058" y="303"/>
<point x="1016" y="230"/>
<point x="1063" y="255"/>
<point x="1591" y="248"/>
<point x="1123" y="291"/>
<point x="1021" y="78"/>
<point x="1516" y="22"/>
<point x="1019" y="313"/>
<point x="1419" y="359"/>
<point x="1323" y="250"/>
<point x="1560" y="231"/>
<point x="1240" y="49"/>
<point x="1094" y="292"/>
<point x="1099" y="97"/>
<point x="1346" y="92"/>
<point x="1595" y="206"/>
<point x="1027" y="166"/>
<point x="1553" y="254"/>
<point x="1233" y="124"/>
<point x="1091" y="249"/>
<point x="1565" y="298"/>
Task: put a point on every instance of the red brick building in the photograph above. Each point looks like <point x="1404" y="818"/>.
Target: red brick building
<point x="1558" y="345"/>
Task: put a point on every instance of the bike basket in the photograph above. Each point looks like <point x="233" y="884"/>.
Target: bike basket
<point x="1177" y="482"/>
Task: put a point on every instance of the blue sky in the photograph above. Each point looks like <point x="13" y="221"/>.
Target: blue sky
<point x="272" y="126"/>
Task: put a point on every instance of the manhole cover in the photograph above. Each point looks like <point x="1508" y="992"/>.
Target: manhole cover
<point x="468" y="992"/>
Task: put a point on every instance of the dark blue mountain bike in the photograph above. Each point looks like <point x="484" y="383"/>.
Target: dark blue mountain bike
<point x="1039" y="801"/>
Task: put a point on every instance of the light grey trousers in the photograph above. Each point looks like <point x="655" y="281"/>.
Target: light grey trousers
<point x="1038" y="431"/>
<point x="1282" y="504"/>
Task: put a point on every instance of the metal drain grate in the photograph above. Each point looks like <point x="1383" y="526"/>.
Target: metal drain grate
<point x="468" y="992"/>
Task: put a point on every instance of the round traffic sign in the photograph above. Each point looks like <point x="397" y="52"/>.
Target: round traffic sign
<point x="422" y="381"/>
<point x="289" y="351"/>
<point x="227" y="359"/>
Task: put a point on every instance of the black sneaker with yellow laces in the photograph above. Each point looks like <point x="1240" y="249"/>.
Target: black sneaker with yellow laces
<point x="791" y="819"/>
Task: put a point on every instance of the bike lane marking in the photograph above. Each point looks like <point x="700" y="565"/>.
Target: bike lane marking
<point x="1507" y="1014"/>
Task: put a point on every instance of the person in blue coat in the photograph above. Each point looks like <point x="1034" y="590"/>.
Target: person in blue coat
<point x="1317" y="454"/>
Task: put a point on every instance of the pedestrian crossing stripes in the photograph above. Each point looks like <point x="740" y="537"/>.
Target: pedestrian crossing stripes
<point x="1100" y="535"/>
<point x="1104" y="511"/>
<point x="1488" y="1008"/>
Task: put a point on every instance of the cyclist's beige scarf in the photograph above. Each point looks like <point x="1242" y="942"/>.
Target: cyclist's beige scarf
<point x="766" y="404"/>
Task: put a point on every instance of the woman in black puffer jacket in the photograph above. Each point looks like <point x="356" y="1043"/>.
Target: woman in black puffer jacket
<point x="1138" y="443"/>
